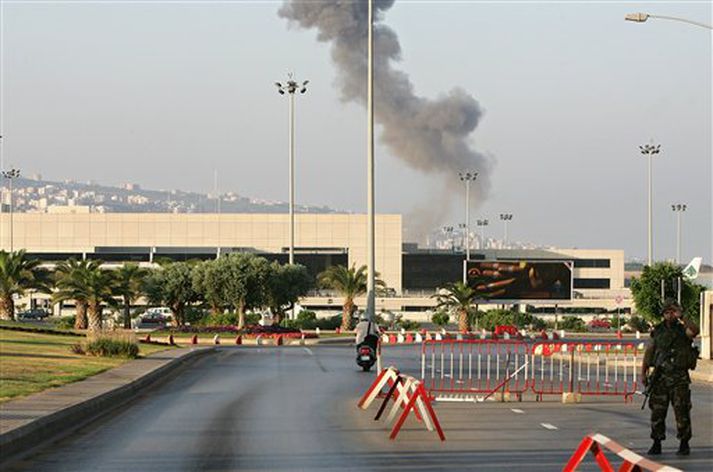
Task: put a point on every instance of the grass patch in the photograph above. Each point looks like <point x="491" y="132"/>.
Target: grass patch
<point x="40" y="327"/>
<point x="31" y="362"/>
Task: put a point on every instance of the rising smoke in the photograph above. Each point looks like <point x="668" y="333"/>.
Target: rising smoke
<point x="428" y="135"/>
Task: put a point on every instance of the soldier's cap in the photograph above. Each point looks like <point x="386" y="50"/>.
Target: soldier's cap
<point x="672" y="305"/>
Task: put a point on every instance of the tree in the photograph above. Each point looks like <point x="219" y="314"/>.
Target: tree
<point x="172" y="286"/>
<point x="18" y="274"/>
<point x="130" y="279"/>
<point x="69" y="280"/>
<point x="206" y="283"/>
<point x="350" y="283"/>
<point x="457" y="297"/>
<point x="93" y="285"/>
<point x="646" y="291"/>
<point x="285" y="285"/>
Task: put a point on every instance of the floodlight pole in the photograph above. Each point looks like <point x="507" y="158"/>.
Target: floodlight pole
<point x="291" y="87"/>
<point x="467" y="177"/>
<point x="650" y="150"/>
<point x="10" y="175"/>
<point x="371" y="233"/>
<point x="678" y="208"/>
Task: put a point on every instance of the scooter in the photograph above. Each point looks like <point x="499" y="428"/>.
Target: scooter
<point x="366" y="356"/>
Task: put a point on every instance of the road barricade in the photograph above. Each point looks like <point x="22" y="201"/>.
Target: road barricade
<point x="596" y="443"/>
<point x="474" y="366"/>
<point x="457" y="370"/>
<point x="609" y="368"/>
<point x="408" y="395"/>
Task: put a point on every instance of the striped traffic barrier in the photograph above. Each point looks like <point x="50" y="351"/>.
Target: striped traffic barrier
<point x="596" y="443"/>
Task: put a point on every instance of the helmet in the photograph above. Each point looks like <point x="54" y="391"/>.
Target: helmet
<point x="363" y="317"/>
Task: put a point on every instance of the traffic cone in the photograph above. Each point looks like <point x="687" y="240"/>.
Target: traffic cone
<point x="194" y="339"/>
<point x="148" y="338"/>
<point x="278" y="341"/>
<point x="238" y="340"/>
<point x="216" y="339"/>
<point x="170" y="340"/>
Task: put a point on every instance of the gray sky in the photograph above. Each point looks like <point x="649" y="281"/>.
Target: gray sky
<point x="162" y="93"/>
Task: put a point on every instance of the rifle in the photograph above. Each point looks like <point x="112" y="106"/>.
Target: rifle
<point x="652" y="379"/>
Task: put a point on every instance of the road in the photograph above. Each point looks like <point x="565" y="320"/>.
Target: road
<point x="294" y="408"/>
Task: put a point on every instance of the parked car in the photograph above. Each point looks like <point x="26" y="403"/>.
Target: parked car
<point x="33" y="314"/>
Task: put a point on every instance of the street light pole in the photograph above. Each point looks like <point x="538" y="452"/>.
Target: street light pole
<point x="650" y="150"/>
<point x="371" y="223"/>
<point x="505" y="217"/>
<point x="291" y="87"/>
<point x="482" y="223"/>
<point x="678" y="208"/>
<point x="10" y="175"/>
<point x="642" y="17"/>
<point x="467" y="177"/>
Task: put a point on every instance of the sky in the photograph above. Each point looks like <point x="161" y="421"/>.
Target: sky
<point x="165" y="93"/>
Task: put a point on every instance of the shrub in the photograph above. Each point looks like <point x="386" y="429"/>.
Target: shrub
<point x="66" y="322"/>
<point x="537" y="323"/>
<point x="194" y="315"/>
<point x="637" y="323"/>
<point x="573" y="323"/>
<point x="440" y="318"/>
<point x="408" y="325"/>
<point x="107" y="346"/>
<point x="219" y="319"/>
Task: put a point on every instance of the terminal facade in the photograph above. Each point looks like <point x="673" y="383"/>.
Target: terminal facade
<point x="412" y="274"/>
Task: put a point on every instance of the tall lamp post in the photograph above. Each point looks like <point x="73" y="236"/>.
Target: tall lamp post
<point x="678" y="208"/>
<point x="642" y="17"/>
<point x="11" y="175"/>
<point x="371" y="220"/>
<point x="448" y="231"/>
<point x="505" y="217"/>
<point x="650" y="150"/>
<point x="482" y="223"/>
<point x="467" y="177"/>
<point x="290" y="88"/>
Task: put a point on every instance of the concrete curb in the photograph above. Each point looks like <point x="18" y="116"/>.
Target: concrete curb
<point x="22" y="439"/>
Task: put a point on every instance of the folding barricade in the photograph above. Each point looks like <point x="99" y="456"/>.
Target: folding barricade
<point x="609" y="368"/>
<point x="408" y="394"/>
<point x="458" y="367"/>
<point x="596" y="443"/>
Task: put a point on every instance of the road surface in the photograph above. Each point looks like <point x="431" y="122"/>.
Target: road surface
<point x="294" y="408"/>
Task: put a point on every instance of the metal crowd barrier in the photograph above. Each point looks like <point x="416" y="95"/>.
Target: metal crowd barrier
<point x="474" y="366"/>
<point x="462" y="367"/>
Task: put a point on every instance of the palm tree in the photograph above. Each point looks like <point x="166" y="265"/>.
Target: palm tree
<point x="18" y="274"/>
<point x="69" y="281"/>
<point x="96" y="287"/>
<point x="350" y="283"/>
<point x="130" y="280"/>
<point x="458" y="297"/>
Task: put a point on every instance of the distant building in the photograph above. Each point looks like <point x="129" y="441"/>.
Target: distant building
<point x="322" y="240"/>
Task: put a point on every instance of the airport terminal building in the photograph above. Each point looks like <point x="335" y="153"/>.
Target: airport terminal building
<point x="321" y="240"/>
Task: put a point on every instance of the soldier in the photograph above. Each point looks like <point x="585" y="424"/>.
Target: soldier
<point x="671" y="351"/>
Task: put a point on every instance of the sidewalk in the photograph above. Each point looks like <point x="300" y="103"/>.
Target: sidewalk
<point x="703" y="372"/>
<point x="27" y="421"/>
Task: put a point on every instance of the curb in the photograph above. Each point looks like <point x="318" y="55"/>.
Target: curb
<point x="54" y="425"/>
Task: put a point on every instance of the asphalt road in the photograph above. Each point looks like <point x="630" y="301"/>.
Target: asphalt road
<point x="294" y="408"/>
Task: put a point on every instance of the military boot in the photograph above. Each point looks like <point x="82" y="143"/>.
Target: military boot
<point x="683" y="449"/>
<point x="655" y="449"/>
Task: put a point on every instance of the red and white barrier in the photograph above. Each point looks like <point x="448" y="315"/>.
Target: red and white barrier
<point x="595" y="443"/>
<point x="408" y="394"/>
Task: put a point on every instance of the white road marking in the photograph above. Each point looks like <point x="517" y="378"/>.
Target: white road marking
<point x="548" y="426"/>
<point x="308" y="351"/>
<point x="517" y="410"/>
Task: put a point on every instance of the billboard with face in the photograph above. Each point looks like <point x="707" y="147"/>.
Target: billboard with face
<point x="520" y="280"/>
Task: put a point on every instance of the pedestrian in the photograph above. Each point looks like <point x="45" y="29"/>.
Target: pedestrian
<point x="671" y="350"/>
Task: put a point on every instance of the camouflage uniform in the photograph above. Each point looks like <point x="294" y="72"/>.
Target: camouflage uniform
<point x="673" y="381"/>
